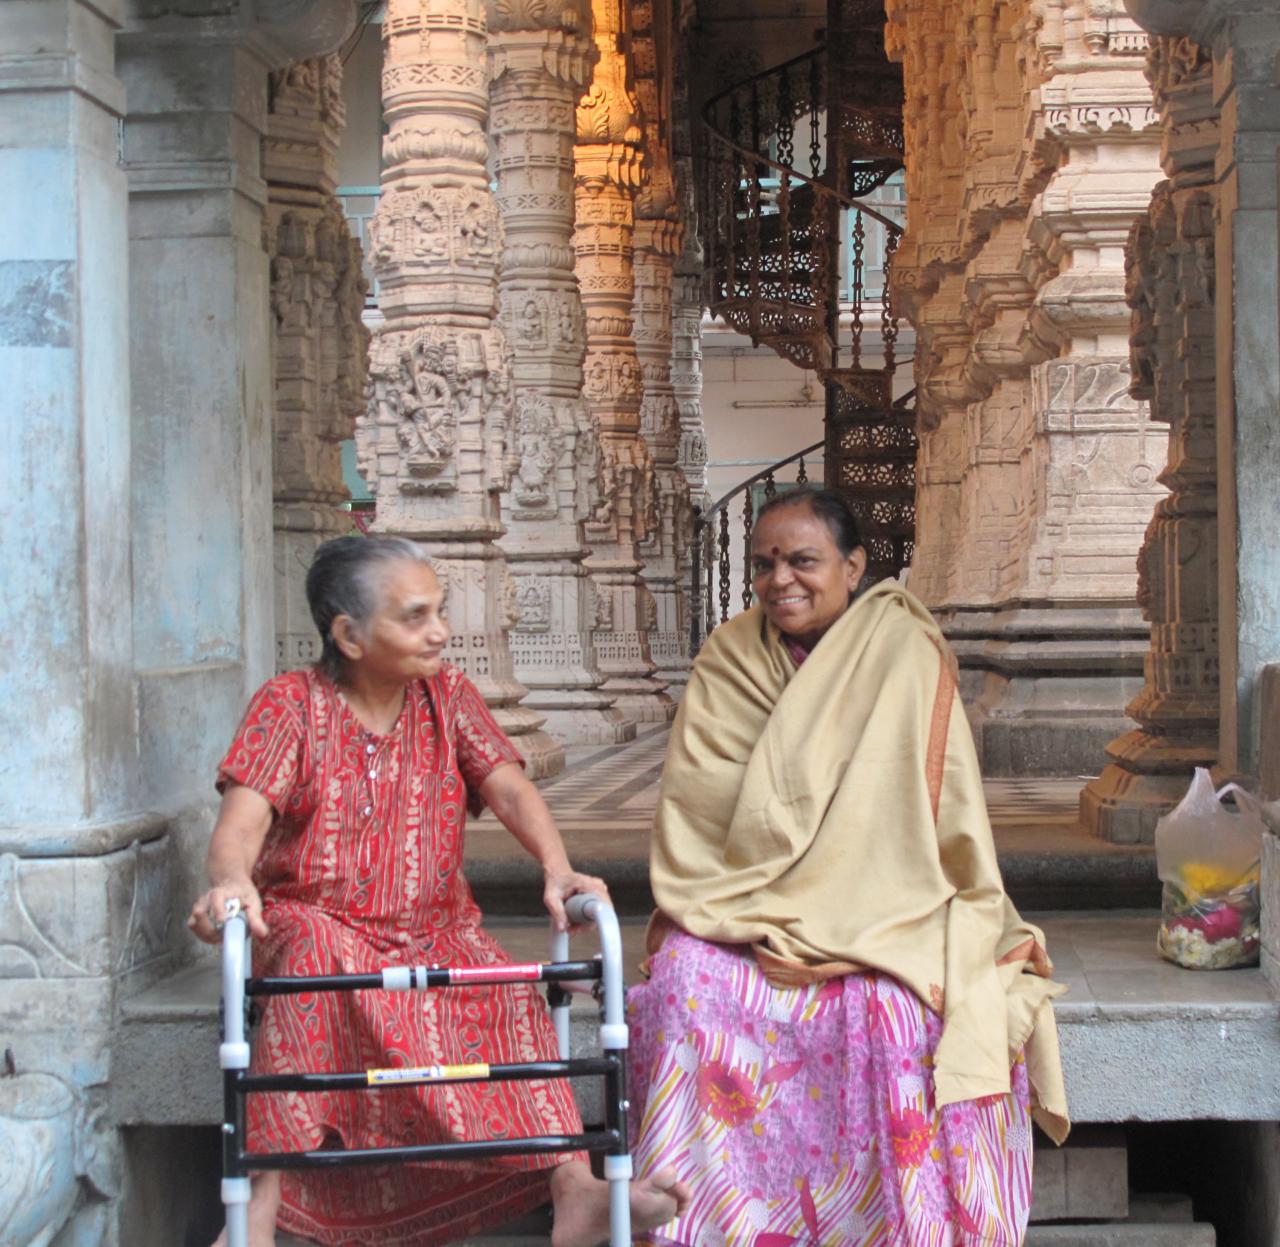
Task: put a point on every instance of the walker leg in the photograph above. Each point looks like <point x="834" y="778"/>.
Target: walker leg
<point x="617" y="1172"/>
<point x="235" y="1199"/>
<point x="560" y="1009"/>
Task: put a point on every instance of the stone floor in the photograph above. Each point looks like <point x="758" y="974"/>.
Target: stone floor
<point x="604" y="802"/>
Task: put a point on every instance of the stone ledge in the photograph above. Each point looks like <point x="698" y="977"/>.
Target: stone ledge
<point x="1122" y="1234"/>
<point x="1217" y="1033"/>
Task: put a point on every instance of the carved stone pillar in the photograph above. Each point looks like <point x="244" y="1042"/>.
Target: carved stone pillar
<point x="1031" y="148"/>
<point x="437" y="442"/>
<point x="1170" y="260"/>
<point x="540" y="61"/>
<point x="607" y="173"/>
<point x="686" y="352"/>
<point x="658" y="241"/>
<point x="1245" y="41"/>
<point x="76" y="851"/>
<point x="320" y="345"/>
<point x="666" y="552"/>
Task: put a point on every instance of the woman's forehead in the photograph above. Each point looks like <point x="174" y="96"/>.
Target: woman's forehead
<point x="408" y="579"/>
<point x="788" y="529"/>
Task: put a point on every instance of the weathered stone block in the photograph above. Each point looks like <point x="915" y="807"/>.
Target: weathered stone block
<point x="1269" y="749"/>
<point x="1121" y="1235"/>
<point x="74" y="917"/>
<point x="1088" y="1178"/>
<point x="1271" y="908"/>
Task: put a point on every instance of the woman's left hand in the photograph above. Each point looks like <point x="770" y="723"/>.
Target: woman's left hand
<point x="561" y="885"/>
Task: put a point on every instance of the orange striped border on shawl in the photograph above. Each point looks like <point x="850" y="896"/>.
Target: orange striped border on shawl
<point x="936" y="754"/>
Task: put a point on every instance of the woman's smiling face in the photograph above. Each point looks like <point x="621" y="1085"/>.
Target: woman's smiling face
<point x="798" y="573"/>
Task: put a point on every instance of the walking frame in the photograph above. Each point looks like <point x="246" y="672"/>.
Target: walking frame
<point x="560" y="974"/>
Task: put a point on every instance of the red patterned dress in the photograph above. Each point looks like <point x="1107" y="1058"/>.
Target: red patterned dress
<point x="362" y="868"/>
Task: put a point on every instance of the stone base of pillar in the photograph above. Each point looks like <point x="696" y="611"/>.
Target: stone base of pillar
<point x="543" y="755"/>
<point x="1146" y="778"/>
<point x="645" y="707"/>
<point x="86" y="923"/>
<point x="625" y="615"/>
<point x="669" y="640"/>
<point x="675" y="678"/>
<point x="1046" y="687"/>
<point x="553" y="654"/>
<point x="589" y="724"/>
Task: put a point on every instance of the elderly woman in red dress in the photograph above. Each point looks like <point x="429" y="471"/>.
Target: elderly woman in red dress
<point x="344" y="797"/>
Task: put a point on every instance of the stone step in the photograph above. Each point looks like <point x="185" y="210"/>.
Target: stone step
<point x="1162" y="1208"/>
<point x="1085" y="1180"/>
<point x="1218" y="1034"/>
<point x="1122" y="1234"/>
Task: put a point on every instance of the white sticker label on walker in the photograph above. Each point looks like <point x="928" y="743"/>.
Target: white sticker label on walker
<point x="425" y="1073"/>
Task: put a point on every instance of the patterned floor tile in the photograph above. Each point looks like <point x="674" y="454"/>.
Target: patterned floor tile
<point x="616" y="787"/>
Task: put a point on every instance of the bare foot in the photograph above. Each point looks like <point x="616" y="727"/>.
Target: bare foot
<point x="581" y="1204"/>
<point x="264" y="1204"/>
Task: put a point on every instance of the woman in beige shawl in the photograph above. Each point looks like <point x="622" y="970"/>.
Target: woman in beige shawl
<point x="847" y="1029"/>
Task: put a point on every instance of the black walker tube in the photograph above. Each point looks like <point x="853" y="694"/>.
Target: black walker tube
<point x="580" y="1067"/>
<point x="615" y="1099"/>
<point x="592" y="1141"/>
<point x="233" y="1118"/>
<point x="435" y="977"/>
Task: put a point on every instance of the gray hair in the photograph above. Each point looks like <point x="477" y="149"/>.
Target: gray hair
<point x="345" y="578"/>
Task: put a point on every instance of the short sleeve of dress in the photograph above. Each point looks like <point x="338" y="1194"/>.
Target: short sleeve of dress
<point x="266" y="754"/>
<point x="481" y="745"/>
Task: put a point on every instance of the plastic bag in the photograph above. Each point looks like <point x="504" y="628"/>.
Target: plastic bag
<point x="1208" y="858"/>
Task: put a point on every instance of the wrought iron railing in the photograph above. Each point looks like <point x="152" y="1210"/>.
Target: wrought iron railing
<point x="789" y="159"/>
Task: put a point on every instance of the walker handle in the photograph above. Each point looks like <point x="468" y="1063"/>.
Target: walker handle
<point x="580" y="908"/>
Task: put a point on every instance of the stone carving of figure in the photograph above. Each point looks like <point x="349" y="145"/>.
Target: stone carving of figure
<point x="530" y="327"/>
<point x="539" y="443"/>
<point x="474" y="230"/>
<point x="426" y="408"/>
<point x="281" y="287"/>
<point x="533" y="599"/>
<point x="429" y="239"/>
<point x="603" y="513"/>
<point x="567" y="323"/>
<point x="596" y="382"/>
<point x="586" y="465"/>
<point x="604" y="611"/>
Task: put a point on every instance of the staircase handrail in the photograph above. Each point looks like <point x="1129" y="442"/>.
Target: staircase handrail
<point x="702" y="516"/>
<point x="760" y="158"/>
<point x="819" y="187"/>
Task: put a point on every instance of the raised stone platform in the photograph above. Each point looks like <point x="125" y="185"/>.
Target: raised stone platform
<point x="605" y="798"/>
<point x="1217" y="1033"/>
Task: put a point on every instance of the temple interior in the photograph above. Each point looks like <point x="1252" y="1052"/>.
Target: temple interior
<point x="565" y="290"/>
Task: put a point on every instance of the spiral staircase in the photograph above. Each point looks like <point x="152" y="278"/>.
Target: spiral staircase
<point x="788" y="160"/>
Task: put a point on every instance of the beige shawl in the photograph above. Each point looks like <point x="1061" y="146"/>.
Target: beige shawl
<point x="832" y="815"/>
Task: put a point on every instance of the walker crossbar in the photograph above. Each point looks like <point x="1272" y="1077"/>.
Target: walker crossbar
<point x="429" y="1075"/>
<point x="423" y="978"/>
<point x="588" y="1141"/>
<point x="559" y="974"/>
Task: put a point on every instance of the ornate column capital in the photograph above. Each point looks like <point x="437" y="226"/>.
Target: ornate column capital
<point x="533" y="37"/>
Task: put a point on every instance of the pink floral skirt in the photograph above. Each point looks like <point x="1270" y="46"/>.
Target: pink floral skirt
<point x="807" y="1116"/>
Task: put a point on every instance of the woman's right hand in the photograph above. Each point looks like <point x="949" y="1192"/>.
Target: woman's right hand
<point x="209" y="913"/>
